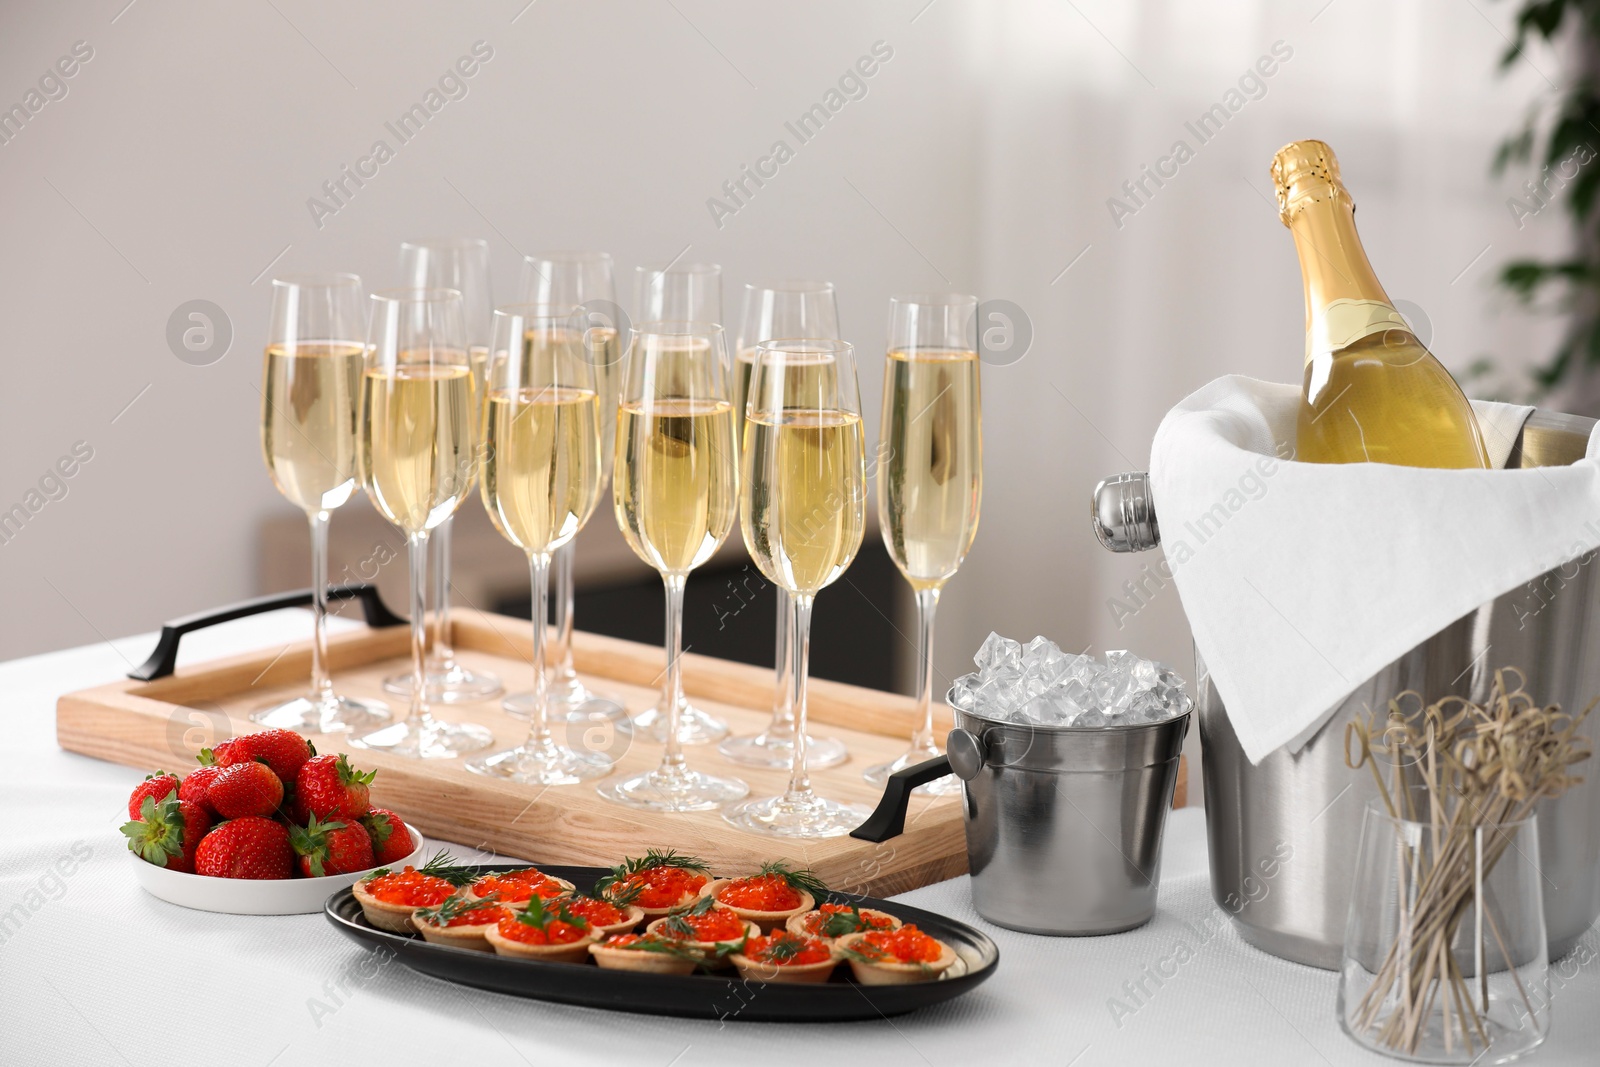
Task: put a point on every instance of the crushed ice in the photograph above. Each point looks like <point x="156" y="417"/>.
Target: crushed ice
<point x="1038" y="683"/>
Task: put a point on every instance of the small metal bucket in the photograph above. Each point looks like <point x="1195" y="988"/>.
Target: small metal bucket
<point x="1064" y="824"/>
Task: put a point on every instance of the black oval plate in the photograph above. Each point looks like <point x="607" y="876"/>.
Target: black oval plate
<point x="698" y="996"/>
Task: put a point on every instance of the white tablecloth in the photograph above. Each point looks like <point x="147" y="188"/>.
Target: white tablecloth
<point x="94" y="971"/>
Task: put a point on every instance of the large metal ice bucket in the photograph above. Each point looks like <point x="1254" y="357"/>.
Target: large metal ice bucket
<point x="1299" y="815"/>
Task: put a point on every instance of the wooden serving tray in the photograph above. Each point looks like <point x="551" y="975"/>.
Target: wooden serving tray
<point x="164" y="723"/>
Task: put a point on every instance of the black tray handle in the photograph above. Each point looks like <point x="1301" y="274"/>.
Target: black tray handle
<point x="889" y="819"/>
<point x="164" y="659"/>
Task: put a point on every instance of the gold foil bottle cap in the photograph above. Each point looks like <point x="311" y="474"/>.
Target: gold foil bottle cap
<point x="1305" y="170"/>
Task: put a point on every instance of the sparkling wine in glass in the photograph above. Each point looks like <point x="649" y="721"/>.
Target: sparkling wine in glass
<point x="674" y="490"/>
<point x="462" y="264"/>
<point x="802" y="507"/>
<point x="782" y="309"/>
<point x="931" y="483"/>
<point x="539" y="470"/>
<point x="680" y="292"/>
<point x="311" y="387"/>
<point x="586" y="279"/>
<point x="419" y="418"/>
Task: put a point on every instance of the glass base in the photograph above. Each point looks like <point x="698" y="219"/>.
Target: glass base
<point x="566" y="702"/>
<point x="947" y="786"/>
<point x="674" y="790"/>
<point x="775" y="749"/>
<point x="805" y="815"/>
<point x="550" y="764"/>
<point x="428" y="738"/>
<point x="695" y="727"/>
<point x="448" y="683"/>
<point x="323" y="715"/>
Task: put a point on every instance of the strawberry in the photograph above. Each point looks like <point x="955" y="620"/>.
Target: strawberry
<point x="331" y="847"/>
<point x="391" y="838"/>
<point x="328" y="787"/>
<point x="167" y="834"/>
<point x="195" y="785"/>
<point x="245" y="789"/>
<point x="159" y="786"/>
<point x="282" y="750"/>
<point x="251" y="847"/>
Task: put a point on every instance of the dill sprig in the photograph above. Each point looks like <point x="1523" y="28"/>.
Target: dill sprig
<point x="442" y="865"/>
<point x="455" y="906"/>
<point x="653" y="858"/>
<point x="800" y="879"/>
<point x="678" y="918"/>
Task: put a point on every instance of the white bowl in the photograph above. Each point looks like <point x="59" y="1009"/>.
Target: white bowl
<point x="251" y="896"/>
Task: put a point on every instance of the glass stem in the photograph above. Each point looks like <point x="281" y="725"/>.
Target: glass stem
<point x="927" y="606"/>
<point x="800" y="644"/>
<point x="561" y="643"/>
<point x="783" y="681"/>
<point x="672" y="761"/>
<point x="321" y="684"/>
<point x="539" y="575"/>
<point x="417" y="548"/>
<point x="443" y="654"/>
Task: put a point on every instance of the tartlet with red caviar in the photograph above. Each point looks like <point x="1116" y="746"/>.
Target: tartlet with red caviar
<point x="712" y="931"/>
<point x="388" y="897"/>
<point x="541" y="930"/>
<point x="833" y="921"/>
<point x="604" y="917"/>
<point x="772" y="896"/>
<point x="785" y="957"/>
<point x="461" y="921"/>
<point x="655" y="883"/>
<point x="515" y="887"/>
<point x="895" y="957"/>
<point x="644" y="954"/>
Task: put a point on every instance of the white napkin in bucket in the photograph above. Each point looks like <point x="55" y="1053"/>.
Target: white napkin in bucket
<point x="1302" y="580"/>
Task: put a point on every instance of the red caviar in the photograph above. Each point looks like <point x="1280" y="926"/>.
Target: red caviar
<point x="411" y="888"/>
<point x="762" y="892"/>
<point x="598" y="912"/>
<point x="555" y="932"/>
<point x="815" y="921"/>
<point x="515" y="886"/>
<point x="718" y="924"/>
<point x="662" y="887"/>
<point x="472" y="917"/>
<point x="791" y="950"/>
<point x="905" y="945"/>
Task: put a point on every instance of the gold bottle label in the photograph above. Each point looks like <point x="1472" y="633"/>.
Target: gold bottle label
<point x="1342" y="323"/>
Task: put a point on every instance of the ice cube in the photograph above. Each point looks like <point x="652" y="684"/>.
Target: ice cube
<point x="998" y="652"/>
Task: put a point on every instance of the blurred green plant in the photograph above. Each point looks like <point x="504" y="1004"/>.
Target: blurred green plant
<point x="1561" y="133"/>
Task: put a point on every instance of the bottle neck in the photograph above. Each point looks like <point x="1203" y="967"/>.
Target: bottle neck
<point x="1344" y="299"/>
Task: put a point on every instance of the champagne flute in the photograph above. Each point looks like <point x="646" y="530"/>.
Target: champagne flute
<point x="588" y="279"/>
<point x="675" y="490"/>
<point x="678" y="292"/>
<point x="681" y="292"/>
<point x="539" y="470"/>
<point x="311" y="386"/>
<point x="802" y="506"/>
<point x="783" y="309"/>
<point x="418" y="431"/>
<point x="462" y="264"/>
<point x="932" y="484"/>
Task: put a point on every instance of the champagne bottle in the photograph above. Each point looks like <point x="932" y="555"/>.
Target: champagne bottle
<point x="1372" y="391"/>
